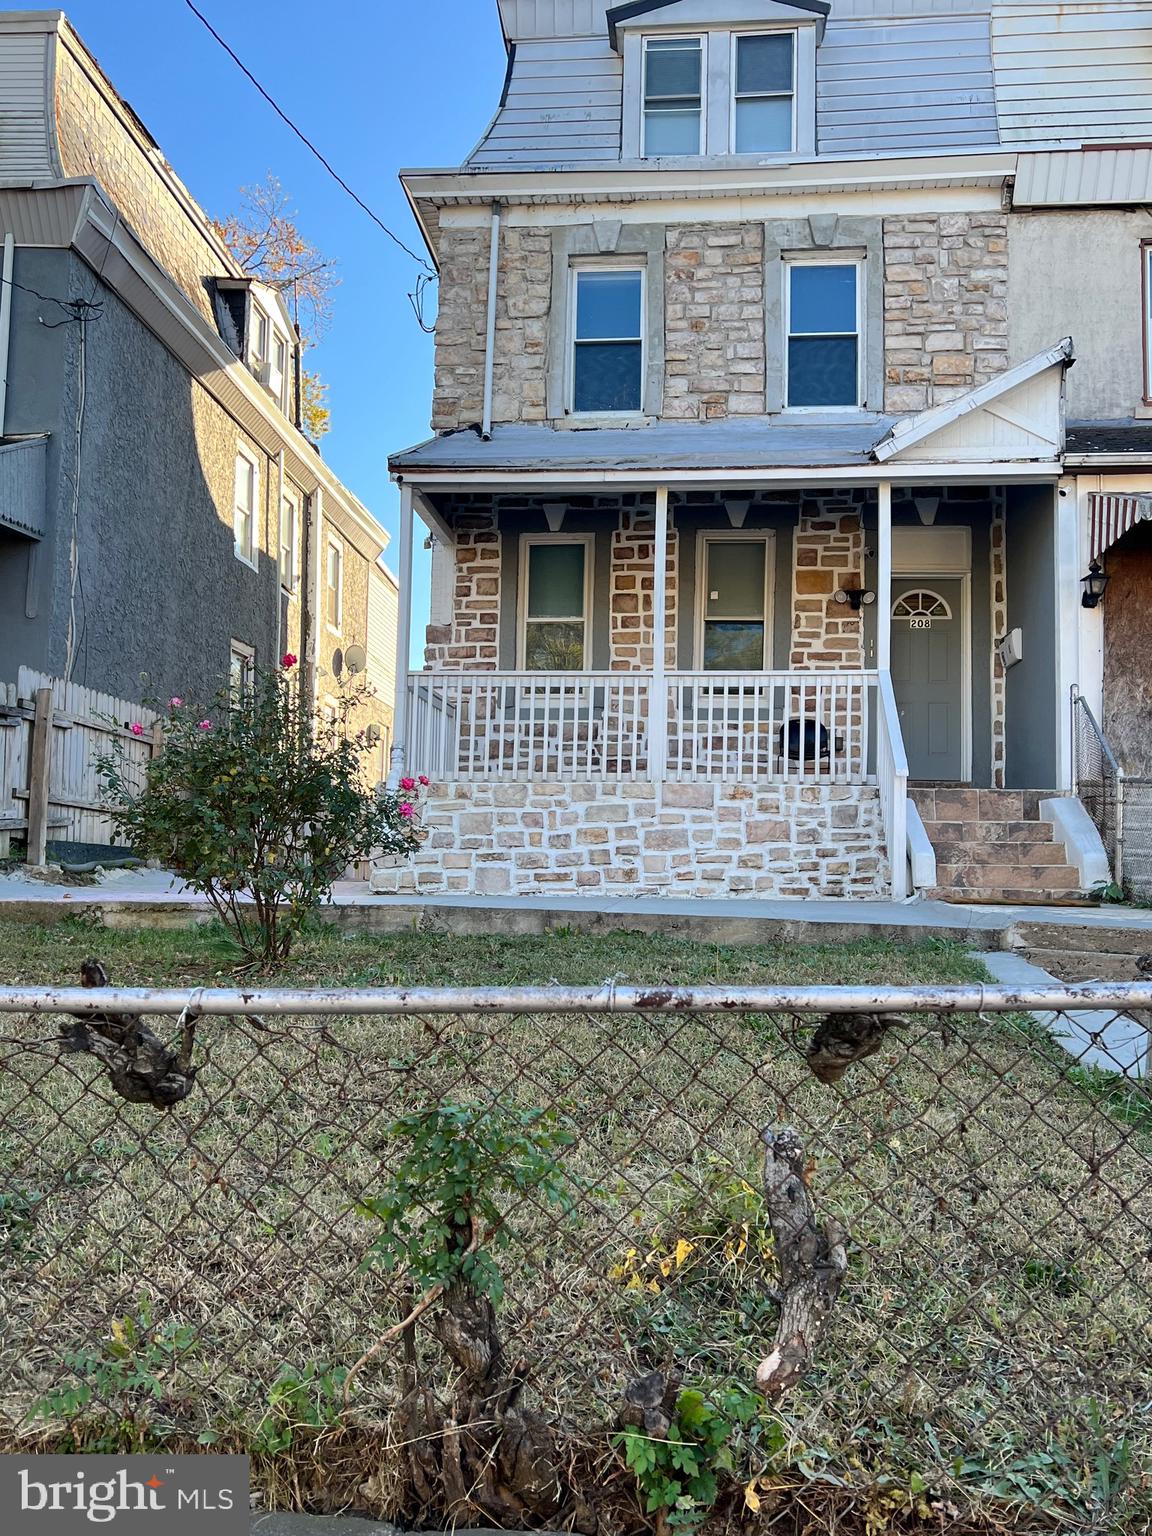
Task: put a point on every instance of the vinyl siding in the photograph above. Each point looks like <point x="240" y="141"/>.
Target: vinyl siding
<point x="924" y="84"/>
<point x="25" y="119"/>
<point x="563" y="104"/>
<point x="1073" y="71"/>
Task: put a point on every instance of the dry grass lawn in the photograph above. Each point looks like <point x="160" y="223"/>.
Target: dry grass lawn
<point x="989" y="1353"/>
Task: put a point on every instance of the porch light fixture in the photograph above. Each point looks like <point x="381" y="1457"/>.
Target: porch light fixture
<point x="926" y="508"/>
<point x="554" y="514"/>
<point x="1093" y="584"/>
<point x="855" y="597"/>
<point x="737" y="509"/>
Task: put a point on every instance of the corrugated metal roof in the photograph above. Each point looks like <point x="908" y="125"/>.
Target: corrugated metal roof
<point x="1063" y="178"/>
<point x="663" y="445"/>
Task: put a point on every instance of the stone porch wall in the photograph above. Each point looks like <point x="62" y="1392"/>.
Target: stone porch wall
<point x="471" y="641"/>
<point x="644" y="839"/>
<point x="631" y="614"/>
<point x="829" y="555"/>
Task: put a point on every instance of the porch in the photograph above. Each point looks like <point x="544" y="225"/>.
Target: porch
<point x="690" y="677"/>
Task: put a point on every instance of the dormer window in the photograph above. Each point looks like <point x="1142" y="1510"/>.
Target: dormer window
<point x="270" y="355"/>
<point x="673" y="95"/>
<point x="763" y="93"/>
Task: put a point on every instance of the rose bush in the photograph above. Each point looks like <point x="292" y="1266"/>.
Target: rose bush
<point x="259" y="808"/>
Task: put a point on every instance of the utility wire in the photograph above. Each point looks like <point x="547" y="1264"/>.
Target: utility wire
<point x="307" y="142"/>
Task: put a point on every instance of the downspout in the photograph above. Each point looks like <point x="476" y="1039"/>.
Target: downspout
<point x="309" y="601"/>
<point x="490" y="338"/>
<point x="6" y="322"/>
<point x="278" y="535"/>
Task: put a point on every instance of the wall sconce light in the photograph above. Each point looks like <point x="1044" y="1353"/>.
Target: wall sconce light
<point x="554" y="514"/>
<point x="855" y="597"/>
<point x="1093" y="584"/>
<point x="926" y="508"/>
<point x="737" y="509"/>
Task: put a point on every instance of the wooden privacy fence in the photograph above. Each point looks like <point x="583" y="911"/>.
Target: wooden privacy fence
<point x="51" y="733"/>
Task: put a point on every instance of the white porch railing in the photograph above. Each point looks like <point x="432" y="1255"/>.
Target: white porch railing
<point x="777" y="727"/>
<point x="764" y="727"/>
<point x="584" y="726"/>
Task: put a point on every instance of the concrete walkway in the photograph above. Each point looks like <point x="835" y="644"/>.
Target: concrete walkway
<point x="153" y="897"/>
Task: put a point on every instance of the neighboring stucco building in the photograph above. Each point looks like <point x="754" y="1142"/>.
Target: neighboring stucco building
<point x="164" y="524"/>
<point x="758" y="564"/>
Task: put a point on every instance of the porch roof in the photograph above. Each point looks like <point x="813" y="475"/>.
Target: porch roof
<point x="662" y="445"/>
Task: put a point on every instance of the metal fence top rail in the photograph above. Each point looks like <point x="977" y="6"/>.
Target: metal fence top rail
<point x="608" y="998"/>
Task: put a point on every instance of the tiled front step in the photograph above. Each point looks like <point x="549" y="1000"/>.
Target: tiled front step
<point x="980" y="804"/>
<point x="1014" y="896"/>
<point x="997" y="852"/>
<point x="1039" y="878"/>
<point x="988" y="831"/>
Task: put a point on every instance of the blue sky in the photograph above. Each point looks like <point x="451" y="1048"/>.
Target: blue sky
<point x="377" y="85"/>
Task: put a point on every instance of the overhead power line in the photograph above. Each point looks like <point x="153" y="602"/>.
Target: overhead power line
<point x="307" y="142"/>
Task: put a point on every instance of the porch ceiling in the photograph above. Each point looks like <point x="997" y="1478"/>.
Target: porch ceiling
<point x="662" y="445"/>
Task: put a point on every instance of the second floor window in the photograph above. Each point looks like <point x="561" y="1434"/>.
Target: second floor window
<point x="673" y="95"/>
<point x="334" y="593"/>
<point x="763" y="93"/>
<point x="289" y="539"/>
<point x="823" y="342"/>
<point x="244" y="509"/>
<point x="1146" y="259"/>
<point x="608" y="340"/>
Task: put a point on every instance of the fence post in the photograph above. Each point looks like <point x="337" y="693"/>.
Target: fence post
<point x="39" y="778"/>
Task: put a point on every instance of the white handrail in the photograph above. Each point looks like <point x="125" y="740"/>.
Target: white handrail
<point x="892" y="778"/>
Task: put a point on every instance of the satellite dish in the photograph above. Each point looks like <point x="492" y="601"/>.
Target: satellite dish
<point x="355" y="658"/>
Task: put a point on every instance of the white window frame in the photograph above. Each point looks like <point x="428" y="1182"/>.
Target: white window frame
<point x="701" y="39"/>
<point x="734" y="42"/>
<point x="246" y="655"/>
<point x="1146" y="303"/>
<point x="291" y="502"/>
<point x="261" y="335"/>
<point x="334" y="544"/>
<point x="826" y="258"/>
<point x="248" y="553"/>
<point x="527" y="540"/>
<point x="592" y="264"/>
<point x="764" y="536"/>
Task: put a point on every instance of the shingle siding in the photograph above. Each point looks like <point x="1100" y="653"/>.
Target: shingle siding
<point x="25" y="126"/>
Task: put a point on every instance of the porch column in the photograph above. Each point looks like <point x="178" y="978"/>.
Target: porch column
<point x="658" y="701"/>
<point x="399" y="757"/>
<point x="884" y="577"/>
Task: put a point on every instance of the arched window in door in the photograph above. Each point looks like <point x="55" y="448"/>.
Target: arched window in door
<point x="920" y="609"/>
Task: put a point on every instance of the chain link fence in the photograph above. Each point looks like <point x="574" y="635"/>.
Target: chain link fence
<point x="824" y="1260"/>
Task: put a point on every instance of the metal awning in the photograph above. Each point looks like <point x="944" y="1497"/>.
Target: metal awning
<point x="1110" y="517"/>
<point x="22" y="486"/>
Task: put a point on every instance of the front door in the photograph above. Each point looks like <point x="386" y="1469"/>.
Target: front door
<point x="928" y="675"/>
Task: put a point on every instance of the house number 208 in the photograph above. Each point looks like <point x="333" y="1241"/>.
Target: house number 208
<point x="924" y="622"/>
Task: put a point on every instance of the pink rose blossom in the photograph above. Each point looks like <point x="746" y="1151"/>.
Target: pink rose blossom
<point x="175" y="703"/>
<point x="406" y="810"/>
<point x="205" y="725"/>
<point x="136" y="728"/>
<point x="424" y="780"/>
<point x="288" y="660"/>
<point x="407" y="783"/>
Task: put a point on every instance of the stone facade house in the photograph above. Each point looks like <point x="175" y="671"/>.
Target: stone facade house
<point x="760" y="501"/>
<point x="164" y="523"/>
